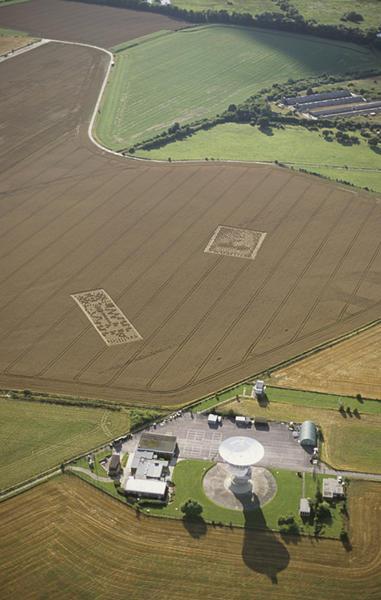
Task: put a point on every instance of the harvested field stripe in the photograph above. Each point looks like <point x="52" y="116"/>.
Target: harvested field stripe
<point x="188" y="293"/>
<point x="267" y="279"/>
<point x="46" y="368"/>
<point x="337" y="268"/>
<point x="244" y="200"/>
<point x="360" y="282"/>
<point x="65" y="283"/>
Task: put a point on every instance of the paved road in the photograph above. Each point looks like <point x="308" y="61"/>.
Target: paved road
<point x="90" y="474"/>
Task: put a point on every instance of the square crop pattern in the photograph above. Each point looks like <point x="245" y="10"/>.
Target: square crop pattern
<point x="233" y="241"/>
<point x="105" y="316"/>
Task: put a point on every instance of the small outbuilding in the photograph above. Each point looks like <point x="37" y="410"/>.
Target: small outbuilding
<point x="333" y="488"/>
<point x="212" y="420"/>
<point x="304" y="507"/>
<point x="308" y="434"/>
<point x="114" y="466"/>
<point x="259" y="389"/>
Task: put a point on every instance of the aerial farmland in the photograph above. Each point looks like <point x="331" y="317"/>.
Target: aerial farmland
<point x="186" y="260"/>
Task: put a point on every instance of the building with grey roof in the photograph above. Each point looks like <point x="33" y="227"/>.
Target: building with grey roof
<point x="332" y="488"/>
<point x="308" y="434"/>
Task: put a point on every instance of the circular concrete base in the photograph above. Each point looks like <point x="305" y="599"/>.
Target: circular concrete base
<point x="261" y="488"/>
<point x="239" y="488"/>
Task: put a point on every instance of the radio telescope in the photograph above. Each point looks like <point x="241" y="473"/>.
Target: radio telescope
<point x="240" y="454"/>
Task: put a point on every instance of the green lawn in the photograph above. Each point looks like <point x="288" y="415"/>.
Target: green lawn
<point x="188" y="476"/>
<point x="318" y="400"/>
<point x="191" y="74"/>
<point x="36" y="436"/>
<point x="233" y="141"/>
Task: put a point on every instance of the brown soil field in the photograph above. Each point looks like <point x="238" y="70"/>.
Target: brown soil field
<point x="350" y="367"/>
<point x="74" y="219"/>
<point x="65" y="539"/>
<point x="78" y="22"/>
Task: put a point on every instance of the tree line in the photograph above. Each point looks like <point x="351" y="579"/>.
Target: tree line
<point x="288" y="20"/>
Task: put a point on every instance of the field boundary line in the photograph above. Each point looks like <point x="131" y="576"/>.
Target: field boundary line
<point x="23" y="49"/>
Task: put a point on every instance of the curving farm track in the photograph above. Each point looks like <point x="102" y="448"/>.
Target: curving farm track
<point x="75" y="218"/>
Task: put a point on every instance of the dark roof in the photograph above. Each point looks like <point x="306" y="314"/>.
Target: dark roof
<point x="157" y="443"/>
<point x="114" y="462"/>
<point x="316" y="97"/>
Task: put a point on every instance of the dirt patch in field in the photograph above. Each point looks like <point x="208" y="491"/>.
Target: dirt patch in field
<point x="351" y="367"/>
<point x="12" y="42"/>
<point x="76" y="218"/>
<point x="103" y="26"/>
<point x="57" y="536"/>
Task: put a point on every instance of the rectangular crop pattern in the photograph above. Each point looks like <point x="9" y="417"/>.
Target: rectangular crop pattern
<point x="109" y="321"/>
<point x="233" y="241"/>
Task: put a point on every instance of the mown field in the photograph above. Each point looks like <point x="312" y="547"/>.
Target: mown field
<point x="65" y="539"/>
<point x="350" y="367"/>
<point x="322" y="11"/>
<point x="36" y="436"/>
<point x="350" y="442"/>
<point x="232" y="141"/>
<point x="195" y="73"/>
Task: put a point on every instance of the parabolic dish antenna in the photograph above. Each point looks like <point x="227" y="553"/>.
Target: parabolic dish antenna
<point x="241" y="451"/>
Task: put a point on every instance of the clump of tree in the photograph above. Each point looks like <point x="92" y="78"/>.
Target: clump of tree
<point x="352" y="16"/>
<point x="140" y="417"/>
<point x="191" y="509"/>
<point x="288" y="525"/>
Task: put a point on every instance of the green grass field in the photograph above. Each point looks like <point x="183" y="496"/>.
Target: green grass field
<point x="188" y="476"/>
<point x="323" y="11"/>
<point x="318" y="400"/>
<point x="35" y="436"/>
<point x="233" y="141"/>
<point x="191" y="74"/>
<point x="331" y="11"/>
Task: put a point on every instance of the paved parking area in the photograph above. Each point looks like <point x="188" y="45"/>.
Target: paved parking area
<point x="197" y="440"/>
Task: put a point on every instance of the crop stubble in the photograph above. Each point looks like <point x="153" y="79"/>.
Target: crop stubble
<point x="350" y="367"/>
<point x="56" y="536"/>
<point x="74" y="218"/>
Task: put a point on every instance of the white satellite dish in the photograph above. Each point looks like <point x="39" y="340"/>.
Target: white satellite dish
<point x="240" y="453"/>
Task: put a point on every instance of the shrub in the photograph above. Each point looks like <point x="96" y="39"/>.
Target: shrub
<point x="191" y="509"/>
